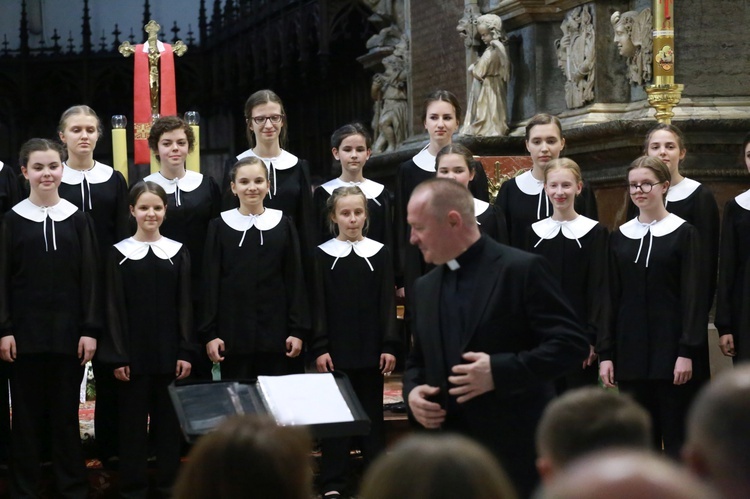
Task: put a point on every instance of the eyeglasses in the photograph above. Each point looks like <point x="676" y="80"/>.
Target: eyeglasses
<point x="645" y="187"/>
<point x="261" y="120"/>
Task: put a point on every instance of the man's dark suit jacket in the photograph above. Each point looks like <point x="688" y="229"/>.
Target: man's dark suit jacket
<point x="522" y="320"/>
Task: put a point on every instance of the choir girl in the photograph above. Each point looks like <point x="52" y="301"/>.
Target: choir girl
<point x="355" y="330"/>
<point x="456" y="161"/>
<point x="522" y="198"/>
<point x="351" y="145"/>
<point x="576" y="247"/>
<point x="688" y="199"/>
<point x="99" y="190"/>
<point x="732" y="313"/>
<point x="255" y="309"/>
<point x="149" y="339"/>
<point x="655" y="347"/>
<point x="50" y="319"/>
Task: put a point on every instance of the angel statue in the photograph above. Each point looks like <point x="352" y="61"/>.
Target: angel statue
<point x="633" y="39"/>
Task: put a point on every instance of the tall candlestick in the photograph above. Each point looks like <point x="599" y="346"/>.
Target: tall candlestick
<point x="194" y="158"/>
<point x="664" y="94"/>
<point x="120" y="145"/>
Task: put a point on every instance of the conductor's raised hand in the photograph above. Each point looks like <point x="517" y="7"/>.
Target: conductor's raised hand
<point x="215" y="349"/>
<point x="8" y="348"/>
<point x="86" y="349"/>
<point x="324" y="363"/>
<point x="429" y="414"/>
<point x="293" y="346"/>
<point x="472" y="379"/>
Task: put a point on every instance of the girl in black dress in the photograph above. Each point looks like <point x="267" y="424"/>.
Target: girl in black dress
<point x="522" y="198"/>
<point x="355" y="328"/>
<point x="732" y="313"/>
<point x="99" y="190"/>
<point x="656" y="344"/>
<point x="50" y="318"/>
<point x="350" y="145"/>
<point x="577" y="247"/>
<point x="149" y="339"/>
<point x="255" y="310"/>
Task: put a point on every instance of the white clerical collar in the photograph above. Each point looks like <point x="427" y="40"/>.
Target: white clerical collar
<point x="34" y="213"/>
<point x="634" y="229"/>
<point x="744" y="200"/>
<point x="366" y="248"/>
<point x="682" y="190"/>
<point x="425" y="160"/>
<point x="283" y="161"/>
<point x="97" y="174"/>
<point x="267" y="220"/>
<point x="164" y="248"/>
<point x="480" y="207"/>
<point x="528" y="184"/>
<point x="453" y="264"/>
<point x="571" y="229"/>
<point x="371" y="188"/>
<point x="188" y="183"/>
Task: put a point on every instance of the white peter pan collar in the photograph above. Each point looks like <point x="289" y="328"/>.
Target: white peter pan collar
<point x="682" y="190"/>
<point x="571" y="229"/>
<point x="480" y="207"/>
<point x="634" y="229"/>
<point x="528" y="184"/>
<point x="57" y="213"/>
<point x="267" y="220"/>
<point x="163" y="248"/>
<point x="188" y="183"/>
<point x="743" y="200"/>
<point x="366" y="248"/>
<point x="283" y="161"/>
<point x="1" y="166"/>
<point x="97" y="174"/>
<point x="371" y="188"/>
<point x="425" y="160"/>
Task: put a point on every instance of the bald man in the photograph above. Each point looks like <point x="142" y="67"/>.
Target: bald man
<point x="491" y="331"/>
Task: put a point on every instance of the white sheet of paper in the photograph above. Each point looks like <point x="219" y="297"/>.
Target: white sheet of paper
<point x="304" y="399"/>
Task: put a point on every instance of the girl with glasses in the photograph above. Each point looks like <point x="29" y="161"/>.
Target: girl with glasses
<point x="655" y="346"/>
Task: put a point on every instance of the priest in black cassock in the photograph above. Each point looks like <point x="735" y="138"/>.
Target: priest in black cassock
<point x="492" y="330"/>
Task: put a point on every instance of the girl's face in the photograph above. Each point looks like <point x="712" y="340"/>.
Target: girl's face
<point x="43" y="170"/>
<point x="454" y="166"/>
<point x="149" y="211"/>
<point x="266" y="132"/>
<point x="562" y="188"/>
<point x="664" y="145"/>
<point x="544" y="144"/>
<point x="250" y="185"/>
<point x="173" y="148"/>
<point x="353" y="153"/>
<point x="747" y="156"/>
<point x="646" y="200"/>
<point x="441" y="121"/>
<point x="80" y="134"/>
<point x="350" y="216"/>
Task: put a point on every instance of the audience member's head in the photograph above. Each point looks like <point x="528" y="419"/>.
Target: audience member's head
<point x="436" y="467"/>
<point x="625" y="474"/>
<point x="248" y="456"/>
<point x="587" y="420"/>
<point x="718" y="433"/>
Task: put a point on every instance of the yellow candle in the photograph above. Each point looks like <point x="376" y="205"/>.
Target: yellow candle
<point x="194" y="158"/>
<point x="120" y="151"/>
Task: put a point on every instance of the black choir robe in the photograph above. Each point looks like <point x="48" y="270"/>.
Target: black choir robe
<point x="658" y="303"/>
<point x="149" y="307"/>
<point x="694" y="203"/>
<point x="733" y="293"/>
<point x="518" y="315"/>
<point x="254" y="288"/>
<point x="192" y="202"/>
<point x="10" y="192"/>
<point x="379" y="210"/>
<point x="524" y="202"/>
<point x="103" y="193"/>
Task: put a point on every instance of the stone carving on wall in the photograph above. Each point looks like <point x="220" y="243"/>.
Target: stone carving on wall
<point x="391" y="109"/>
<point x="633" y="39"/>
<point x="487" y="109"/>
<point x="575" y="56"/>
<point x="467" y="27"/>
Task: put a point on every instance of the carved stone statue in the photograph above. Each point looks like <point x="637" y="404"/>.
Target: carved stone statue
<point x="633" y="39"/>
<point x="467" y="26"/>
<point x="575" y="56"/>
<point x="391" y="106"/>
<point x="487" y="110"/>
